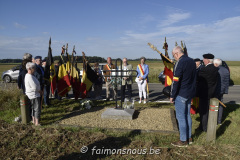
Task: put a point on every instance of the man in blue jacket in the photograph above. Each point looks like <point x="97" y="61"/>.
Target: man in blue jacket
<point x="222" y="86"/>
<point x="183" y="90"/>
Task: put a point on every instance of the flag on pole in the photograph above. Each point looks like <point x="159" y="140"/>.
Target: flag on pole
<point x="168" y="70"/>
<point x="88" y="78"/>
<point x="64" y="84"/>
<point x="49" y="71"/>
<point x="74" y="77"/>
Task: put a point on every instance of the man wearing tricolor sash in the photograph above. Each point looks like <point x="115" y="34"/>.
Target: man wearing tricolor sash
<point x="142" y="79"/>
<point x="107" y="72"/>
<point x="183" y="90"/>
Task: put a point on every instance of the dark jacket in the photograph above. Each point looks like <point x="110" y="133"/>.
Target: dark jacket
<point x="21" y="76"/>
<point x="39" y="75"/>
<point x="207" y="80"/>
<point x="223" y="81"/>
<point x="184" y="78"/>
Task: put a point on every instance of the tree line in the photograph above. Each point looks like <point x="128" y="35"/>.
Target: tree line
<point x="90" y="59"/>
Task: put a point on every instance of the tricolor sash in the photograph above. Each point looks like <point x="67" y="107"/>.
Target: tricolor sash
<point x="108" y="67"/>
<point x="142" y="73"/>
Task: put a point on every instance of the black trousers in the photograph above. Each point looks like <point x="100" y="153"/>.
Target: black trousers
<point x="203" y="111"/>
<point x="123" y="88"/>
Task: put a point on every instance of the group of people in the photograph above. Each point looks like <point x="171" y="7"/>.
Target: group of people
<point x="192" y="79"/>
<point x="126" y="81"/>
<point x="31" y="81"/>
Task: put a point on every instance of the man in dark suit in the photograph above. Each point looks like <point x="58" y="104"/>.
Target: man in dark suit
<point x="207" y="81"/>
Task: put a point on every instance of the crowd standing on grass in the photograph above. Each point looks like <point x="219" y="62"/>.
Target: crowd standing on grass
<point x="191" y="79"/>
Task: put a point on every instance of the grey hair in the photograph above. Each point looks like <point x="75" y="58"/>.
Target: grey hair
<point x="179" y="49"/>
<point x="217" y="61"/>
<point x="30" y="65"/>
<point x="27" y="56"/>
<point x="211" y="60"/>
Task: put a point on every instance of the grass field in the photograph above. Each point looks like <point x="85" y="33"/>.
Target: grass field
<point x="57" y="142"/>
<point x="155" y="67"/>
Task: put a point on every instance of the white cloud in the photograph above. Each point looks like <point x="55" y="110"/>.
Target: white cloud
<point x="174" y="18"/>
<point x="20" y="26"/>
<point x="218" y="37"/>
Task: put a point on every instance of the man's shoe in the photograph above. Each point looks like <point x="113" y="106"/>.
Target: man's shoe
<point x="190" y="141"/>
<point x="107" y="99"/>
<point x="180" y="144"/>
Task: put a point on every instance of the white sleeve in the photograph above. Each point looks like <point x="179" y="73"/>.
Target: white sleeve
<point x="31" y="84"/>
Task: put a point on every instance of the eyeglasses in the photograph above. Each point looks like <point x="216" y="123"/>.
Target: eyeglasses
<point x="174" y="54"/>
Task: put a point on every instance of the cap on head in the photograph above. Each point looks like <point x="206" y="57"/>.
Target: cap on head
<point x="38" y="57"/>
<point x="208" y="56"/>
<point x="197" y="60"/>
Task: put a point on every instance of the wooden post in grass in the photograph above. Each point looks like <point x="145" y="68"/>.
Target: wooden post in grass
<point x="25" y="109"/>
<point x="212" y="119"/>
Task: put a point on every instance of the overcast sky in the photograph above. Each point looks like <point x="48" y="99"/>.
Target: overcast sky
<point x="119" y="28"/>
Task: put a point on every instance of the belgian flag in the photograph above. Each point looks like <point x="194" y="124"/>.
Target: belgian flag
<point x="75" y="81"/>
<point x="88" y="78"/>
<point x="49" y="71"/>
<point x="64" y="85"/>
<point x="168" y="70"/>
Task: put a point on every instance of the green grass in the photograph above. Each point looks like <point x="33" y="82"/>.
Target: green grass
<point x="4" y="67"/>
<point x="233" y="63"/>
<point x="51" y="142"/>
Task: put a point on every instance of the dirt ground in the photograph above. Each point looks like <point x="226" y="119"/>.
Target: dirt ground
<point x="149" y="119"/>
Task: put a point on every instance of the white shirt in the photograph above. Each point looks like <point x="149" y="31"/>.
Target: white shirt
<point x="32" y="86"/>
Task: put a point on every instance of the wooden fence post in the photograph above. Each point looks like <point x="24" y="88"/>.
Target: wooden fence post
<point x="25" y="109"/>
<point x="212" y="119"/>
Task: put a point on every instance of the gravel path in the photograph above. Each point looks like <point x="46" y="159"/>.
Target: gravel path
<point x="150" y="119"/>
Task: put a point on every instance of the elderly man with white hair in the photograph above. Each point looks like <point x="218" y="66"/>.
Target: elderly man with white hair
<point x="183" y="90"/>
<point x="33" y="91"/>
<point x="207" y="80"/>
<point x="223" y="84"/>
